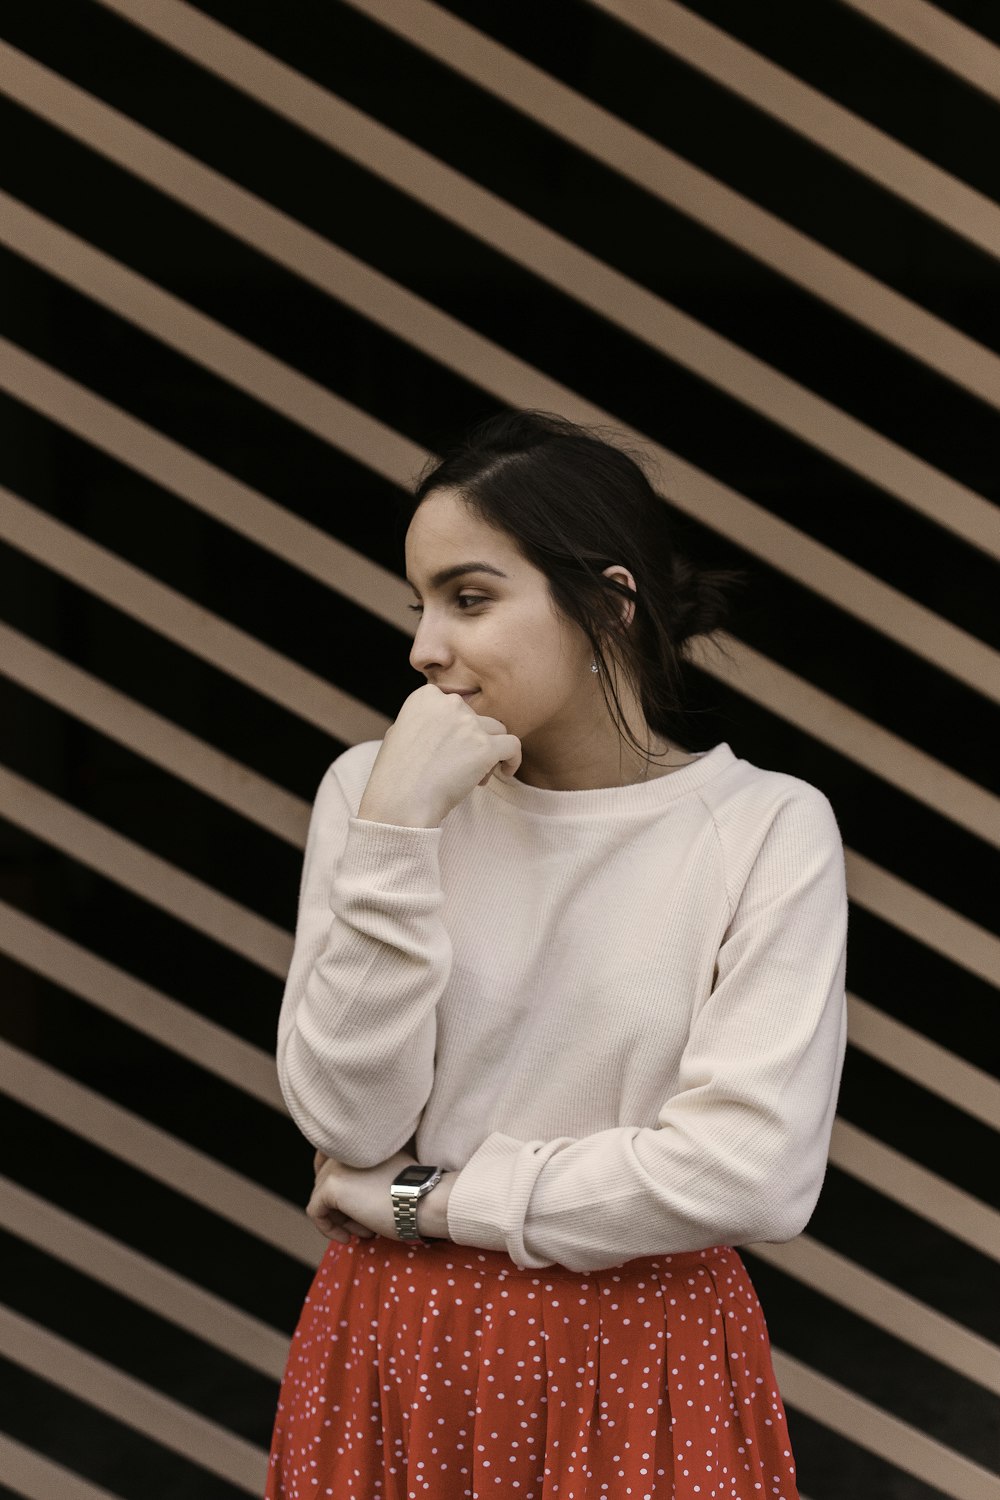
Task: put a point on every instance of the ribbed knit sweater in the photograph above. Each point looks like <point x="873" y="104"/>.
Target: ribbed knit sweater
<point x="618" y="1013"/>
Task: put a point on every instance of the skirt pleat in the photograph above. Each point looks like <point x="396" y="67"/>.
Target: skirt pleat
<point x="442" y="1372"/>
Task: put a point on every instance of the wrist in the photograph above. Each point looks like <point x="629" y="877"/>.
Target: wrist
<point x="374" y="810"/>
<point x="432" y="1210"/>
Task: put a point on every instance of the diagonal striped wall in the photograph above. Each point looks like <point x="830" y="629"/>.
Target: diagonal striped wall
<point x="257" y="263"/>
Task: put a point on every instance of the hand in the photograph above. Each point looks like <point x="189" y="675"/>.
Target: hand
<point x="355" y="1200"/>
<point x="340" y="1226"/>
<point x="437" y="750"/>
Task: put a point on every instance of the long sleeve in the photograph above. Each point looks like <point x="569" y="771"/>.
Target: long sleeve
<point x="357" y="1028"/>
<point x="739" y="1150"/>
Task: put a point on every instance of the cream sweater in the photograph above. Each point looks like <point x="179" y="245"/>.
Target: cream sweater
<point x="619" y="1013"/>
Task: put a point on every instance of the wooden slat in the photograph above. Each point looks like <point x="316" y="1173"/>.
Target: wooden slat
<point x="655" y="169"/>
<point x="910" y="1449"/>
<point x="83" y="973"/>
<point x="814" y="116"/>
<point x="922" y="917"/>
<point x="152" y="736"/>
<point x="156" y="880"/>
<point x="131" y="1274"/>
<point x="966" y="53"/>
<point x="179" y="619"/>
<point x="38" y="1478"/>
<point x="886" y="1307"/>
<point x="183" y="1168"/>
<point x="795" y="699"/>
<point x="916" y="1188"/>
<point x="130" y="1401"/>
<point x="203" y="485"/>
<point x="927" y="1063"/>
<point x="569" y="268"/>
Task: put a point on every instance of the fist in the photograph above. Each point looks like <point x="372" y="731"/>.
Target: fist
<point x="437" y="750"/>
<point x="355" y="1200"/>
<point x="336" y="1225"/>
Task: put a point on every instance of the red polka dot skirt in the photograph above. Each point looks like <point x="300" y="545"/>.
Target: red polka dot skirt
<point x="441" y="1371"/>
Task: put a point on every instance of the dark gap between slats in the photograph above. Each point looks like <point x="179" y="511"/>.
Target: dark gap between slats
<point x="163" y="676"/>
<point x="875" y="74"/>
<point x="155" y="1083"/>
<point x="151" y="807"/>
<point x="744" y="147"/>
<point x="69" y="1431"/>
<point x="876" y="1366"/>
<point x="99" y="914"/>
<point x="658" y="247"/>
<point x="831" y="1467"/>
<point x="206" y="561"/>
<point x="156" y="1220"/>
<point x="142" y="1344"/>
<point x="909" y="1250"/>
<point x="666" y="403"/>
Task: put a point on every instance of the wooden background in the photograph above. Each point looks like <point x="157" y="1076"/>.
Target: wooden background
<point x="257" y="262"/>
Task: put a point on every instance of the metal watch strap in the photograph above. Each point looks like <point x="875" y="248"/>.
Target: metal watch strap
<point x="406" y="1196"/>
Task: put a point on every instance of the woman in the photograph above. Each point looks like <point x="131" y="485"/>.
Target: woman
<point x="595" y="981"/>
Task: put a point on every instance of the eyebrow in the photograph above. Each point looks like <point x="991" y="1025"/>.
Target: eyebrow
<point x="445" y="575"/>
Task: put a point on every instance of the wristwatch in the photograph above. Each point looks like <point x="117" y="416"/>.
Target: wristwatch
<point x="408" y="1187"/>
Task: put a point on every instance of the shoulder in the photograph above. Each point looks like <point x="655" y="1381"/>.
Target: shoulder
<point x="746" y="797"/>
<point x="757" y="809"/>
<point x="746" y="794"/>
<point x="346" y="777"/>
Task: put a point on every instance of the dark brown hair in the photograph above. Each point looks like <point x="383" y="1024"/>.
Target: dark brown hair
<point x="575" y="504"/>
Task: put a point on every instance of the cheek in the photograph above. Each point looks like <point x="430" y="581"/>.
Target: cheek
<point x="525" y="651"/>
<point x="543" y="680"/>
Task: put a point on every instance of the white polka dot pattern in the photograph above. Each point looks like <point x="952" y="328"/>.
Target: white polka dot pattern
<point x="444" y="1372"/>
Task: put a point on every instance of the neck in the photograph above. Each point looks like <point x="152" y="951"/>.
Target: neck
<point x="573" y="764"/>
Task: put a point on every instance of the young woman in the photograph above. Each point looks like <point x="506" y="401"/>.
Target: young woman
<point x="565" y="1023"/>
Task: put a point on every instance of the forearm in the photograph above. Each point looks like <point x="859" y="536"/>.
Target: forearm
<point x="356" y="1035"/>
<point x="355" y="1103"/>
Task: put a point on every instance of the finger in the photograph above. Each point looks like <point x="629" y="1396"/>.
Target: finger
<point x="337" y="1233"/>
<point x="318" y="1208"/>
<point x="512" y="757"/>
<point x="331" y="1226"/>
<point x="332" y="1222"/>
<point x="511" y="762"/>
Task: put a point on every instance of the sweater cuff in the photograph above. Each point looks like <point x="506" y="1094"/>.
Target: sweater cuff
<point x="390" y="856"/>
<point x="489" y="1199"/>
<point x="478" y="1204"/>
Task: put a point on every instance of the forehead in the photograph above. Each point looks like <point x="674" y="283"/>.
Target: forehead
<point x="444" y="532"/>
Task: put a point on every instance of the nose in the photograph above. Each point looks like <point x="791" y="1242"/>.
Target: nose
<point x="430" y="648"/>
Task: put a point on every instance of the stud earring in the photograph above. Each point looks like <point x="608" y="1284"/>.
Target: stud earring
<point x="593" y="665"/>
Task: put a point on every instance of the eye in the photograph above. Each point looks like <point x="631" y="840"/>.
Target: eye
<point x="466" y="599"/>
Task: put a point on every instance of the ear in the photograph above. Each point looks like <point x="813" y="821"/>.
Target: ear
<point x="624" y="576"/>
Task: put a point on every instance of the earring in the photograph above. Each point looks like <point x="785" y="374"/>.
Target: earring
<point x="593" y="665"/>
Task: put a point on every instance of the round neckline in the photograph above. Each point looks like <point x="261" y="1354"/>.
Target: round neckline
<point x="635" y="796"/>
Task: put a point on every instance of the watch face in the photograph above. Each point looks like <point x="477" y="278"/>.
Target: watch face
<point x="414" y="1176"/>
